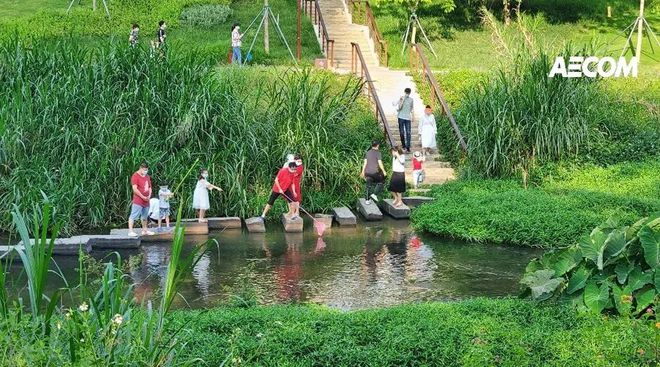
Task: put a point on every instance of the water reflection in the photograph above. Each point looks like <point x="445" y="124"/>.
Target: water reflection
<point x="369" y="266"/>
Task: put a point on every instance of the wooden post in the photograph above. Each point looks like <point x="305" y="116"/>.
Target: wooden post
<point x="640" y="30"/>
<point x="298" y="39"/>
<point x="609" y="11"/>
<point x="266" y="38"/>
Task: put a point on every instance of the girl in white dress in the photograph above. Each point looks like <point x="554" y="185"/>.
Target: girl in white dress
<point x="427" y="131"/>
<point x="201" y="195"/>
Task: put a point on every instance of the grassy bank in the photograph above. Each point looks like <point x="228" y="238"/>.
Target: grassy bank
<point x="478" y="332"/>
<point x="555" y="212"/>
<point x="78" y="134"/>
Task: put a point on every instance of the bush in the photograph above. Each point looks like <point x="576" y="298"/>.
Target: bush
<point x="205" y="15"/>
<point x="554" y="214"/>
<point x="78" y="134"/>
<point x="480" y="332"/>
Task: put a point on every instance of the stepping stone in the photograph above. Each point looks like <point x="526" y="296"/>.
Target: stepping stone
<point x="292" y="225"/>
<point x="325" y="219"/>
<point x="225" y="223"/>
<point x="255" y="225"/>
<point x="62" y="246"/>
<point x="112" y="242"/>
<point x="193" y="226"/>
<point x="369" y="211"/>
<point x="162" y="234"/>
<point x="402" y="212"/>
<point x="415" y="201"/>
<point x="344" y="216"/>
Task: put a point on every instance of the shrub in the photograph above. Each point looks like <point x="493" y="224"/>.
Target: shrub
<point x="613" y="268"/>
<point x="554" y="214"/>
<point x="205" y="15"/>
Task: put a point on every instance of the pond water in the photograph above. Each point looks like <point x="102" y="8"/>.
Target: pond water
<point x="372" y="265"/>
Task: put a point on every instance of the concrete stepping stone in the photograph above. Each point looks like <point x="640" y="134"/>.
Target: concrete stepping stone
<point x="255" y="225"/>
<point x="193" y="226"/>
<point x="344" y="216"/>
<point x="415" y="201"/>
<point x="112" y="242"/>
<point x="326" y="219"/>
<point x="162" y="234"/>
<point x="402" y="212"/>
<point x="369" y="211"/>
<point x="225" y="223"/>
<point x="292" y="225"/>
<point x="62" y="247"/>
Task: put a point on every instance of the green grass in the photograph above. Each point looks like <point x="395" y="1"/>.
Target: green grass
<point x="26" y="8"/>
<point x="564" y="205"/>
<point x="480" y="332"/>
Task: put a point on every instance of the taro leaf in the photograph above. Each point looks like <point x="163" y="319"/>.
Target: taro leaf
<point x="657" y="279"/>
<point x="637" y="279"/>
<point x="596" y="298"/>
<point x="565" y="260"/>
<point x="578" y="279"/>
<point x="644" y="298"/>
<point x="622" y="270"/>
<point x="533" y="266"/>
<point x="593" y="246"/>
<point x="622" y="301"/>
<point x="631" y="232"/>
<point x="541" y="283"/>
<point x="614" y="244"/>
<point x="650" y="241"/>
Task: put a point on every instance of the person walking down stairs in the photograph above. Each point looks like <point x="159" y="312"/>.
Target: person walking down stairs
<point x="405" y="116"/>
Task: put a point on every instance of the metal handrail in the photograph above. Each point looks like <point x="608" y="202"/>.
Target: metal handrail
<point x="436" y="92"/>
<point x="312" y="9"/>
<point x="356" y="55"/>
<point x="379" y="41"/>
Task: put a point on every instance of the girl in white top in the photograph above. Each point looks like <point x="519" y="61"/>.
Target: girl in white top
<point x="398" y="180"/>
<point x="201" y="195"/>
<point x="427" y="131"/>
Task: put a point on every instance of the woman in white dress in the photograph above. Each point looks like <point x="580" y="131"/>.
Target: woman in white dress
<point x="201" y="195"/>
<point x="427" y="131"/>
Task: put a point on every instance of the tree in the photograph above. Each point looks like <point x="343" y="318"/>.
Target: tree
<point x="446" y="5"/>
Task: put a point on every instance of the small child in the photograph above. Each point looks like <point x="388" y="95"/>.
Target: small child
<point x="418" y="171"/>
<point x="164" y="196"/>
<point x="154" y="210"/>
<point x="201" y="195"/>
<point x="133" y="36"/>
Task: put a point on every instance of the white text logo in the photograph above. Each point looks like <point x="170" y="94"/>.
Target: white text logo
<point x="592" y="67"/>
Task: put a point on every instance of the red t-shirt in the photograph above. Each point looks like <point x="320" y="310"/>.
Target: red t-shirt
<point x="297" y="178"/>
<point x="144" y="187"/>
<point x="285" y="179"/>
<point x="417" y="165"/>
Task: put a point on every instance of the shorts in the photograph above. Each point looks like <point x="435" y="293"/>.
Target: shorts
<point x="164" y="212"/>
<point x="273" y="196"/>
<point x="139" y="212"/>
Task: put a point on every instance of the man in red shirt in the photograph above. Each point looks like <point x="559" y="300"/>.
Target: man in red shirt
<point x="141" y="184"/>
<point x="284" y="187"/>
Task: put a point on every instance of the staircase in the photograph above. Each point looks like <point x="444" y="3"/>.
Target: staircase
<point x="389" y="83"/>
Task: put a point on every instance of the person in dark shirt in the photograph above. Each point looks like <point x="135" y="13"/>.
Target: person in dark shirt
<point x="160" y="34"/>
<point x="133" y="36"/>
<point x="284" y="186"/>
<point x="373" y="172"/>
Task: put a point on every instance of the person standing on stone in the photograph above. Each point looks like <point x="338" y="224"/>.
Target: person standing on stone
<point x="398" y="180"/>
<point x="164" y="196"/>
<point x="141" y="185"/>
<point x="373" y="172"/>
<point x="405" y="116"/>
<point x="283" y="186"/>
<point x="236" y="42"/>
<point x="201" y="195"/>
<point x="427" y="131"/>
<point x="297" y="181"/>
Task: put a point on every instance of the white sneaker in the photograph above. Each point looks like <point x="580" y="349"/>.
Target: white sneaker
<point x="132" y="234"/>
<point x="368" y="202"/>
<point x="373" y="196"/>
<point x="148" y="233"/>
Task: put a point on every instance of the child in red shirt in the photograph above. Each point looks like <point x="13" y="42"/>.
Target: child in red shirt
<point x="283" y="186"/>
<point x="418" y="171"/>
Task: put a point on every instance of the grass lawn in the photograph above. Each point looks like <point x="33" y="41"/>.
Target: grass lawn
<point x="26" y="8"/>
<point x="480" y="332"/>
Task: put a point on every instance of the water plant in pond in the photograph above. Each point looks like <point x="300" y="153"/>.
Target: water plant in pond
<point x="100" y="324"/>
<point x="614" y="268"/>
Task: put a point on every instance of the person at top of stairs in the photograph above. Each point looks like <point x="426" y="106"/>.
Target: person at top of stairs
<point x="405" y="116"/>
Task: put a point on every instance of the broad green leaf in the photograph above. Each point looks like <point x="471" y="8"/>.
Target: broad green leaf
<point x="644" y="298"/>
<point x="562" y="261"/>
<point x="578" y="280"/>
<point x="622" y="301"/>
<point x="650" y="241"/>
<point x="631" y="232"/>
<point x="593" y="246"/>
<point x="614" y="244"/>
<point x="541" y="283"/>
<point x="637" y="279"/>
<point x="622" y="270"/>
<point x="657" y="279"/>
<point x="533" y="266"/>
<point x="596" y="298"/>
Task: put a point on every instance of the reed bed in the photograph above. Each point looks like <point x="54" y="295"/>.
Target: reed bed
<point x="81" y="119"/>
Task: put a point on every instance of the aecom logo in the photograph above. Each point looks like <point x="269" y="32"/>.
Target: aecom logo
<point x="591" y="67"/>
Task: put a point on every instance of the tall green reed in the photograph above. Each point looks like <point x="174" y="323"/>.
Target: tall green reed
<point x="82" y="119"/>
